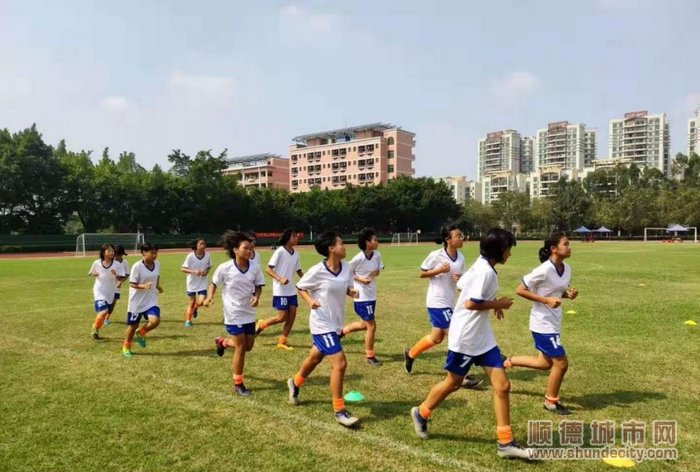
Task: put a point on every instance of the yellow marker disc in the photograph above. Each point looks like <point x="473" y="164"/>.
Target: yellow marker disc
<point x="620" y="462"/>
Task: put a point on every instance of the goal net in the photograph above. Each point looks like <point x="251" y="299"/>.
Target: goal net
<point x="408" y="238"/>
<point x="92" y="242"/>
<point x="663" y="234"/>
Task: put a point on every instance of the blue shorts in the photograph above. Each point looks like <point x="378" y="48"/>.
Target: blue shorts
<point x="328" y="343"/>
<point x="549" y="344"/>
<point x="440" y="317"/>
<point x="200" y="292"/>
<point x="247" y="328"/>
<point x="101" y="305"/>
<point x="117" y="296"/>
<point x="283" y="303"/>
<point x="365" y="310"/>
<point x="459" y="363"/>
<point x="135" y="318"/>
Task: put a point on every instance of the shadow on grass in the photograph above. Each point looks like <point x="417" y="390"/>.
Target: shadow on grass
<point x="598" y="401"/>
<point x="195" y="353"/>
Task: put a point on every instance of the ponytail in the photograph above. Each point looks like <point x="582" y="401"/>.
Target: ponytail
<point x="445" y="233"/>
<point x="552" y="240"/>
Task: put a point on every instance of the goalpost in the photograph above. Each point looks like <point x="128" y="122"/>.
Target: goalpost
<point x="92" y="242"/>
<point x="664" y="232"/>
<point x="410" y="239"/>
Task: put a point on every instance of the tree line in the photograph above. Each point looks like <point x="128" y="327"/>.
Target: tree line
<point x="53" y="190"/>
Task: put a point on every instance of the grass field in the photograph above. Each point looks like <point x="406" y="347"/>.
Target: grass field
<point x="71" y="403"/>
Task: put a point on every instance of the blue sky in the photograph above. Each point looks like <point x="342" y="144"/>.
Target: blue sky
<point x="149" y="77"/>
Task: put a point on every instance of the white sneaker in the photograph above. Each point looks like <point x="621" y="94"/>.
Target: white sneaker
<point x="293" y="392"/>
<point x="512" y="450"/>
<point x="346" y="418"/>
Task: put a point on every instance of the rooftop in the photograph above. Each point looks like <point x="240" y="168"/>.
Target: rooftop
<point x="345" y="134"/>
<point x="243" y="160"/>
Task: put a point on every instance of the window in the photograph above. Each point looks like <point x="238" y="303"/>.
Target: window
<point x="262" y="174"/>
<point x="390" y="141"/>
<point x="390" y="154"/>
<point x="390" y="169"/>
<point x="269" y="174"/>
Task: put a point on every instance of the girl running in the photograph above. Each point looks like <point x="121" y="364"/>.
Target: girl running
<point x="545" y="287"/>
<point x="366" y="267"/>
<point x="471" y="341"/>
<point x="324" y="288"/>
<point x="197" y="266"/>
<point x="107" y="275"/>
<point x="283" y="265"/>
<point x="119" y="256"/>
<point x="144" y="287"/>
<point x="241" y="282"/>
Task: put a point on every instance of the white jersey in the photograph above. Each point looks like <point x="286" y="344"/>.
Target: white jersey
<point x="237" y="288"/>
<point x="256" y="258"/>
<point x="142" y="300"/>
<point x="105" y="281"/>
<point x="470" y="330"/>
<point x="196" y="283"/>
<point x="441" y="291"/>
<point x="362" y="266"/>
<point x="330" y="290"/>
<point x="546" y="281"/>
<point x="125" y="265"/>
<point x="285" y="264"/>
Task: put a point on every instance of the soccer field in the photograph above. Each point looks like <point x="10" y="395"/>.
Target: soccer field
<point x="72" y="403"/>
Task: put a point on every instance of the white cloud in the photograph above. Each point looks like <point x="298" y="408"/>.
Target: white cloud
<point x="306" y="21"/>
<point x="516" y="85"/>
<point x="213" y="86"/>
<point x="115" y="103"/>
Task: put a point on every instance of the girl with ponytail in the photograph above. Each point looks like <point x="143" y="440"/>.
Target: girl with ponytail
<point x="545" y="287"/>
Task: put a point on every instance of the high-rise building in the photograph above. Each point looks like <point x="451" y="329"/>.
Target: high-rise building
<point x="643" y="138"/>
<point x="499" y="159"/>
<point x="260" y="170"/>
<point x="462" y="188"/>
<point x="360" y="155"/>
<point x="527" y="154"/>
<point x="562" y="149"/>
<point x="694" y="134"/>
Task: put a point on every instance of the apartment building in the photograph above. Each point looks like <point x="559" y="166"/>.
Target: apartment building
<point x="642" y="137"/>
<point x="462" y="188"/>
<point x="260" y="170"/>
<point x="360" y="155"/>
<point x="499" y="164"/>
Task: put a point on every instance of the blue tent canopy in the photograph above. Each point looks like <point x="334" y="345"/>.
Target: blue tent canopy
<point x="582" y="229"/>
<point x="603" y="229"/>
<point x="674" y="228"/>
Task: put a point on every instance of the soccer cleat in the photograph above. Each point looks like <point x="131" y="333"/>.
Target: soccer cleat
<point x="96" y="334"/>
<point x="140" y="339"/>
<point x="513" y="450"/>
<point x="126" y="352"/>
<point x="293" y="392"/>
<point x="242" y="391"/>
<point x="188" y="324"/>
<point x="220" y="348"/>
<point x="420" y="424"/>
<point x="194" y="314"/>
<point x="258" y="328"/>
<point x="284" y="347"/>
<point x="107" y="322"/>
<point x="346" y="418"/>
<point x="408" y="361"/>
<point x="557" y="408"/>
<point x="374" y="361"/>
<point x="470" y="382"/>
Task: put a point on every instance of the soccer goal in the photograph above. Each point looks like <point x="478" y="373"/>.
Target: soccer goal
<point x="662" y="234"/>
<point x="92" y="242"/>
<point x="408" y="238"/>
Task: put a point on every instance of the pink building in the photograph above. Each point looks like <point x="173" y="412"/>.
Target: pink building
<point x="361" y="155"/>
<point x="260" y="170"/>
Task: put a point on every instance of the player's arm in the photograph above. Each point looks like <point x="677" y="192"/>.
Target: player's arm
<point x="502" y="303"/>
<point x="256" y="296"/>
<point x="362" y="280"/>
<point x="352" y="293"/>
<point x="571" y="293"/>
<point x="271" y="272"/>
<point x="146" y="286"/>
<point x="210" y="294"/>
<point x="158" y="287"/>
<point x="441" y="269"/>
<point x="308" y="299"/>
<point x="192" y="271"/>
<point x="525" y="292"/>
<point x="300" y="273"/>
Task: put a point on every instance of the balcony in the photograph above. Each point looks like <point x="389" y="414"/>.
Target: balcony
<point x="370" y="148"/>
<point x="361" y="149"/>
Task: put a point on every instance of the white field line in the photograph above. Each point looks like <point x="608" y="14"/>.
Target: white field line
<point x="275" y="411"/>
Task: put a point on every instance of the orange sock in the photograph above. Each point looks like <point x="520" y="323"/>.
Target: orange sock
<point x="283" y="339"/>
<point x="99" y="321"/>
<point x="299" y="380"/>
<point x="421" y="346"/>
<point x="143" y="331"/>
<point x="190" y="313"/>
<point x="370" y="353"/>
<point x="127" y="344"/>
<point x="338" y="404"/>
<point x="551" y="400"/>
<point x="425" y="412"/>
<point x="238" y="379"/>
<point x="505" y="434"/>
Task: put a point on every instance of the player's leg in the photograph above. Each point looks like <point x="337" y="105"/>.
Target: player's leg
<point x="288" y="324"/>
<point x="539" y="362"/>
<point x="152" y="315"/>
<point x="132" y="325"/>
<point x="294" y="384"/>
<point x="191" y="307"/>
<point x="436" y="336"/>
<point x="280" y="304"/>
<point x="556" y="377"/>
<point x="338" y="365"/>
<point x="111" y="309"/>
<point x="421" y="414"/>
<point x="240" y="345"/>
